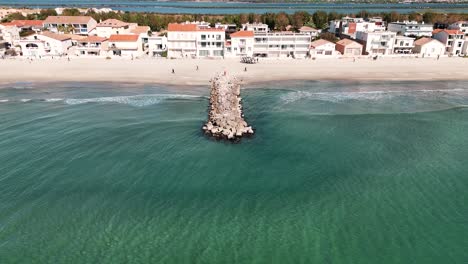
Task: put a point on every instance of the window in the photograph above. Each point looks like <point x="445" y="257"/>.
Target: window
<point x="203" y="44"/>
<point x="218" y="37"/>
<point x="459" y="44"/>
<point x="203" y="37"/>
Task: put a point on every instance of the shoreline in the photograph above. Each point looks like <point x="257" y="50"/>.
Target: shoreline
<point x="159" y="71"/>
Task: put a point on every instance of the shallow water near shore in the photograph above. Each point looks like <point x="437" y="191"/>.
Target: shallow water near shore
<point x="337" y="172"/>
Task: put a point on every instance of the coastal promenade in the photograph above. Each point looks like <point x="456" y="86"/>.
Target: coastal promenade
<point x="186" y="73"/>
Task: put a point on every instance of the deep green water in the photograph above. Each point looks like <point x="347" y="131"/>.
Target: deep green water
<point x="336" y="173"/>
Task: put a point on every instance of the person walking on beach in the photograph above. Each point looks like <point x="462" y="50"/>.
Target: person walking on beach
<point x="197" y="67"/>
<point x="245" y="69"/>
<point x="438" y="57"/>
<point x="173" y="72"/>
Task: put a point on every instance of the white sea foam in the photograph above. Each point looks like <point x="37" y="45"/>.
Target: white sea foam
<point x="135" y="100"/>
<point x="25" y="100"/>
<point x="362" y="95"/>
<point x="4" y="100"/>
<point x="54" y="100"/>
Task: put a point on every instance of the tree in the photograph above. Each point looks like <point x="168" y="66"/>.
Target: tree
<point x="281" y="21"/>
<point x="320" y="19"/>
<point x="299" y="19"/>
<point x="71" y="12"/>
<point x="328" y="36"/>
<point x="14" y="16"/>
<point x="44" y="13"/>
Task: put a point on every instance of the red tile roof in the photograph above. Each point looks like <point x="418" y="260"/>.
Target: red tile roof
<point x="346" y="42"/>
<point x="320" y="42"/>
<point x="242" y="34"/>
<point x="182" y="27"/>
<point x="114" y="23"/>
<point x="59" y="37"/>
<point x="28" y="23"/>
<point x="93" y="39"/>
<point x="68" y="20"/>
<point x="448" y="31"/>
<point x="141" y="30"/>
<point x="124" y="38"/>
<point x="423" y="41"/>
<point x="307" y="29"/>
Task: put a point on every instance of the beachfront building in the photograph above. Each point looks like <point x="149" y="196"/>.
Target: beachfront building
<point x="228" y="28"/>
<point x="156" y="45"/>
<point x="348" y="26"/>
<point x="429" y="47"/>
<point x="80" y="25"/>
<point x="403" y="45"/>
<point x="460" y="25"/>
<point x="312" y="32"/>
<point x="322" y="48"/>
<point x="110" y="27"/>
<point x="45" y="44"/>
<point x="241" y="44"/>
<point x="125" y="45"/>
<point x="91" y="46"/>
<point x="376" y="43"/>
<point x="31" y="25"/>
<point x="189" y="40"/>
<point x="256" y="27"/>
<point x="411" y="28"/>
<point x="452" y="38"/>
<point x="281" y="45"/>
<point x="9" y="33"/>
<point x="349" y="48"/>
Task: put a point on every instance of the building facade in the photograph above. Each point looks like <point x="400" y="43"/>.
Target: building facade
<point x="241" y="44"/>
<point x="80" y="25"/>
<point x="460" y="25"/>
<point x="349" y="48"/>
<point x="411" y="28"/>
<point x="453" y="39"/>
<point x="403" y="45"/>
<point x="429" y="47"/>
<point x="125" y="45"/>
<point x="92" y="46"/>
<point x="281" y="45"/>
<point x="376" y="43"/>
<point x="156" y="45"/>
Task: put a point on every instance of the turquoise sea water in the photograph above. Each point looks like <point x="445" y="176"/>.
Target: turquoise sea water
<point x="338" y="172"/>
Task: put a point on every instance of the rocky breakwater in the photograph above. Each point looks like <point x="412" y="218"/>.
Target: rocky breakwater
<point x="225" y="118"/>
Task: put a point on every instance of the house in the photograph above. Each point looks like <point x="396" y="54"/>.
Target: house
<point x="125" y="45"/>
<point x="45" y="44"/>
<point x="192" y="40"/>
<point x="110" y="27"/>
<point x="348" y="26"/>
<point x="411" y="28"/>
<point x="403" y="45"/>
<point x="281" y="44"/>
<point x="241" y="44"/>
<point x="92" y="46"/>
<point x="460" y="25"/>
<point x="376" y="43"/>
<point x="80" y="25"/>
<point x="9" y="33"/>
<point x="348" y="47"/>
<point x="156" y="45"/>
<point x="452" y="38"/>
<point x="322" y="48"/>
<point x="33" y="25"/>
<point x="256" y="27"/>
<point x="312" y="32"/>
<point x="429" y="47"/>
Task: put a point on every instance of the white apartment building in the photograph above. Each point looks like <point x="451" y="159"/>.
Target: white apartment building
<point x="411" y="28"/>
<point x="453" y="39"/>
<point x="125" y="45"/>
<point x="460" y="25"/>
<point x="228" y="28"/>
<point x="110" y="27"/>
<point x="377" y="43"/>
<point x="189" y="40"/>
<point x="9" y="33"/>
<point x="281" y="44"/>
<point x="403" y="45"/>
<point x="256" y="27"/>
<point x="80" y="25"/>
<point x="45" y="44"/>
<point x="241" y="44"/>
<point x="156" y="45"/>
<point x="91" y="46"/>
<point x="350" y="25"/>
<point x="310" y="31"/>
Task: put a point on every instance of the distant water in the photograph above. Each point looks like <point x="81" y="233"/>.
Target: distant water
<point x="338" y="172"/>
<point x="193" y="7"/>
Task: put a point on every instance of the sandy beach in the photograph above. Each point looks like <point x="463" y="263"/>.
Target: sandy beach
<point x="160" y="70"/>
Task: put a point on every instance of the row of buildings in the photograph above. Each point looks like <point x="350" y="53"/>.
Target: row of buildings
<point x="84" y="36"/>
<point x="403" y="37"/>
